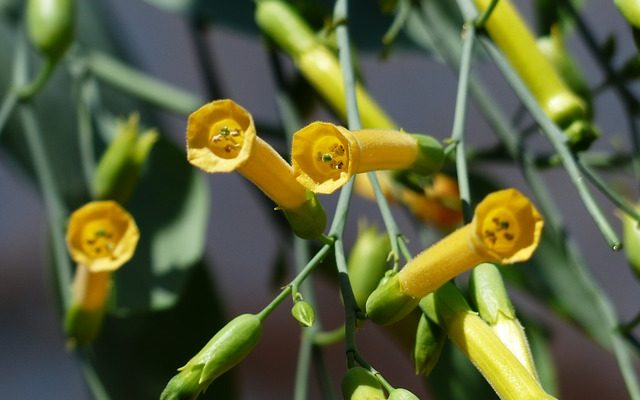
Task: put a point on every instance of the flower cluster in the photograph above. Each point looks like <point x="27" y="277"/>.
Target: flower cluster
<point x="221" y="137"/>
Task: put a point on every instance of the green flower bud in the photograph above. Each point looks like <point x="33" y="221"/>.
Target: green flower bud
<point x="50" y="25"/>
<point x="82" y="326"/>
<point x="489" y="294"/>
<point x="117" y="172"/>
<point x="360" y="384"/>
<point x="367" y="263"/>
<point x="388" y="304"/>
<point x="402" y="394"/>
<point x="303" y="313"/>
<point x="429" y="342"/>
<point x="225" y="350"/>
<point x="555" y="51"/>
<point x="631" y="240"/>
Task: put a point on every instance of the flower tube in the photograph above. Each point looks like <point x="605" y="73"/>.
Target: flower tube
<point x="505" y="229"/>
<point x="514" y="38"/>
<point x="221" y="137"/>
<point x="101" y="237"/>
<point x="325" y="156"/>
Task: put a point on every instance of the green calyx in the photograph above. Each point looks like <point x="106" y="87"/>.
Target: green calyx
<point x="50" y="25"/>
<point x="228" y="347"/>
<point x="388" y="304"/>
<point x="580" y="134"/>
<point x="360" y="384"/>
<point x="117" y="172"/>
<point x="307" y="220"/>
<point x="489" y="293"/>
<point x="444" y="304"/>
<point x="367" y="263"/>
<point x="82" y="326"/>
<point x="430" y="155"/>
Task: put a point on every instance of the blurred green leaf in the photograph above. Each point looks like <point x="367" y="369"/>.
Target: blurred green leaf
<point x="171" y="207"/>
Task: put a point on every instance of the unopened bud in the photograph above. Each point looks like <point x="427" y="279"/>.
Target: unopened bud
<point x="360" y="384"/>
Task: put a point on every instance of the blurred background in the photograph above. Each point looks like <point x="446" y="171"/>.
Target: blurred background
<point x="418" y="92"/>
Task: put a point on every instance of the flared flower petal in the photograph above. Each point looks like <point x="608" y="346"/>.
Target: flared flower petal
<point x="102" y="236"/>
<point x="325" y="156"/>
<point x="221" y="137"/>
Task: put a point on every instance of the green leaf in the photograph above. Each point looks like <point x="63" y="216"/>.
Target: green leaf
<point x="171" y="208"/>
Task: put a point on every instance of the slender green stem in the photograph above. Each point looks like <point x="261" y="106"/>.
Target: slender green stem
<point x="390" y="224"/>
<point x="611" y="194"/>
<point x="302" y="275"/>
<point x="301" y="252"/>
<point x="629" y="100"/>
<point x="53" y="202"/>
<point x="85" y="132"/>
<point x="141" y="85"/>
<point x="8" y="104"/>
<point x="457" y="133"/>
<point x="404" y="10"/>
<point x="557" y="139"/>
<point x="326" y="389"/>
<point x="353" y="117"/>
<point x="482" y="19"/>
<point x="98" y="390"/>
<point x="28" y="91"/>
<point x="327" y="338"/>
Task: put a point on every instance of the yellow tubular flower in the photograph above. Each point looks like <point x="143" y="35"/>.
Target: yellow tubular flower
<point x="221" y="137"/>
<point x="101" y="237"/>
<point x="325" y="156"/>
<point x="505" y="229"/>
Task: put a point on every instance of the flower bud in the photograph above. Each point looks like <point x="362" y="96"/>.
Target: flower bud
<point x="225" y="350"/>
<point x="360" y="384"/>
<point x="402" y="394"/>
<point x="631" y="240"/>
<point x="50" y="25"/>
<point x="429" y="342"/>
<point x="303" y="313"/>
<point x="630" y="9"/>
<point x="367" y="263"/>
<point x="117" y="172"/>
